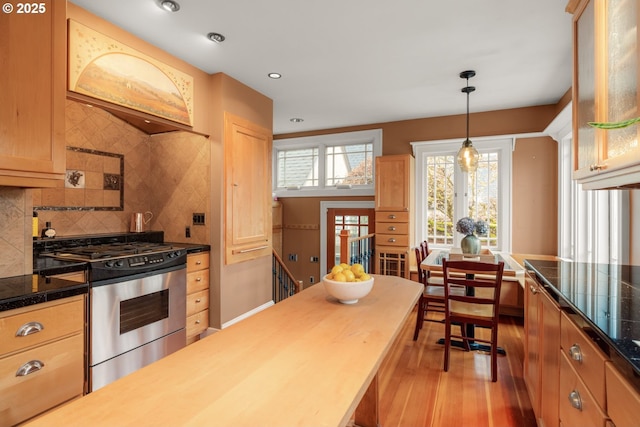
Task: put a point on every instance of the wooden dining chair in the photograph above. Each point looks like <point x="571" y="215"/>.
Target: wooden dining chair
<point x="478" y="306"/>
<point x="432" y="298"/>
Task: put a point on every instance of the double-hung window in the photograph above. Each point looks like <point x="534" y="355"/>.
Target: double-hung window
<point x="335" y="164"/>
<point x="444" y="193"/>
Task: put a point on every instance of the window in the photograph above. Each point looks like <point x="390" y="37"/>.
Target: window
<point x="444" y="193"/>
<point x="336" y="164"/>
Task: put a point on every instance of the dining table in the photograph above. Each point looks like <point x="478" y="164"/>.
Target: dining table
<point x="308" y="360"/>
<point x="513" y="271"/>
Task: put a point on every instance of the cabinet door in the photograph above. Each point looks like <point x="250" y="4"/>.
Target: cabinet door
<point x="32" y="84"/>
<point x="549" y="360"/>
<point x="247" y="148"/>
<point x="532" y="339"/>
<point x="393" y="182"/>
<point x="605" y="90"/>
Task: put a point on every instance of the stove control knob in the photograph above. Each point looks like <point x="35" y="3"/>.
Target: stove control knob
<point x="119" y="263"/>
<point x="109" y="264"/>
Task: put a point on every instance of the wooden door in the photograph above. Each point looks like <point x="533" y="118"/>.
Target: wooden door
<point x="359" y="222"/>
<point x="247" y="148"/>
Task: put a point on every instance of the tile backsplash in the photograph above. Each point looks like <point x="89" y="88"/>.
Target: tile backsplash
<point x="167" y="174"/>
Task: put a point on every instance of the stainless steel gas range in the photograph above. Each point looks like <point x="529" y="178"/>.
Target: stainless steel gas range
<point x="137" y="305"/>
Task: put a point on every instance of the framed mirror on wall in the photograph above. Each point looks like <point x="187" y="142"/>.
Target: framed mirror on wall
<point x="94" y="181"/>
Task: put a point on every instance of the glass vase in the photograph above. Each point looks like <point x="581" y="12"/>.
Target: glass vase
<point x="470" y="244"/>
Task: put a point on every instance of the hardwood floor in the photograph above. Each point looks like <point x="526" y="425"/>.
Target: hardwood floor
<point x="415" y="391"/>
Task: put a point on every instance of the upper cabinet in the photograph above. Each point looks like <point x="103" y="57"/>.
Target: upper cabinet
<point x="605" y="81"/>
<point x="32" y="84"/>
<point x="393" y="182"/>
<point x="247" y="188"/>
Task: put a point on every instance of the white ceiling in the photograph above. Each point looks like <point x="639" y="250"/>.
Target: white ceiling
<point x="352" y="62"/>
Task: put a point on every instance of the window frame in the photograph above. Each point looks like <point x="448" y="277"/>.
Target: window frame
<point x="373" y="136"/>
<point x="504" y="145"/>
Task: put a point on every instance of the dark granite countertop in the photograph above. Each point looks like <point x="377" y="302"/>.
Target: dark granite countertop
<point x="191" y="247"/>
<point x="22" y="291"/>
<point x="607" y="298"/>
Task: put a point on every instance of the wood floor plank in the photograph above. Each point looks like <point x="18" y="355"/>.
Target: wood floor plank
<point x="415" y="391"/>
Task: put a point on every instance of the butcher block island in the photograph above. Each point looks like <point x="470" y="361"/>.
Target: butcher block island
<point x="306" y="361"/>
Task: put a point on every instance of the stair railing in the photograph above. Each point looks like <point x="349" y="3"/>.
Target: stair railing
<point x="357" y="250"/>
<point x="284" y="284"/>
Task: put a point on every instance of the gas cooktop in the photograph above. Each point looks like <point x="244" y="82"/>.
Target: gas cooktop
<point x="111" y="250"/>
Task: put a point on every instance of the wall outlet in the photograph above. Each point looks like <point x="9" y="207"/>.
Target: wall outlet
<point x="293" y="257"/>
<point x="312" y="280"/>
<point x="313" y="259"/>
<point x="198" y="219"/>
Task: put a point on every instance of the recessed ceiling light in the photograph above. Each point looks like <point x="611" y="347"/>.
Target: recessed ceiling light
<point x="274" y="75"/>
<point x="170" y="5"/>
<point x="296" y="120"/>
<point x="216" y="37"/>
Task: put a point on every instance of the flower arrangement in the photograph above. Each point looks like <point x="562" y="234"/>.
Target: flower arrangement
<point x="468" y="226"/>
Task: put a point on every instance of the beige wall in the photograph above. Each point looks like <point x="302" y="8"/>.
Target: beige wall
<point x="534" y="168"/>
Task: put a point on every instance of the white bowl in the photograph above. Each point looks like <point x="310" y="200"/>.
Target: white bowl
<point x="347" y="292"/>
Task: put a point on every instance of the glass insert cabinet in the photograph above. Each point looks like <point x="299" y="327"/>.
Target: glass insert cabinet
<point x="605" y="43"/>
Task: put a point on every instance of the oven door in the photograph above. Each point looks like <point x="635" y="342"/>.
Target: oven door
<point x="129" y="314"/>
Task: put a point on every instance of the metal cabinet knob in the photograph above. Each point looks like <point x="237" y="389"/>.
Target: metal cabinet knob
<point x="392" y="228"/>
<point x="29" y="368"/>
<point x="199" y="279"/>
<point x="198" y="300"/>
<point x="392" y="217"/>
<point x="575" y="400"/>
<point x="197" y="322"/>
<point x="594" y="168"/>
<point x="29" y="328"/>
<point x="533" y="289"/>
<point x="198" y="262"/>
<point x="392" y="240"/>
<point x="575" y="353"/>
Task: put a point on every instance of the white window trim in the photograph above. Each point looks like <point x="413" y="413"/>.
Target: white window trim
<point x="373" y="136"/>
<point x="505" y="145"/>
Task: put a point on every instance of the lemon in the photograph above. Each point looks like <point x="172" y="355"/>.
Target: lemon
<point x="337" y="269"/>
<point x="358" y="269"/>
<point x="345" y="266"/>
<point x="349" y="275"/>
<point x="339" y="277"/>
<point x="364" y="277"/>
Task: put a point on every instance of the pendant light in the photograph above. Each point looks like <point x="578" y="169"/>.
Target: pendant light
<point x="468" y="156"/>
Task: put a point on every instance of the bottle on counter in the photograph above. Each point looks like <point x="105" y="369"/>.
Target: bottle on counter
<point x="35" y="225"/>
<point x="48" y="232"/>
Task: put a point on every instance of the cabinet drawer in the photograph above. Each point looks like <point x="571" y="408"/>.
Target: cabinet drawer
<point x="27" y="327"/>
<point x="60" y="379"/>
<point x="395" y="216"/>
<point x="392" y="227"/>
<point x="623" y="404"/>
<point x="197" y="261"/>
<point x="197" y="323"/>
<point x="197" y="301"/>
<point x="573" y="389"/>
<point x="392" y="240"/>
<point x="197" y="281"/>
<point x="585" y="357"/>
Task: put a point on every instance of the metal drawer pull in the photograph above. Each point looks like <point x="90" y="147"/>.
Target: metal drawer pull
<point x="29" y="328"/>
<point x="392" y="217"/>
<point x="199" y="279"/>
<point x="198" y="300"/>
<point x="392" y="240"/>
<point x="198" y="262"/>
<point x="197" y="322"/>
<point x="575" y="353"/>
<point x="533" y="289"/>
<point x="575" y="400"/>
<point x="29" y="368"/>
<point x="392" y="228"/>
<point x="244" y="251"/>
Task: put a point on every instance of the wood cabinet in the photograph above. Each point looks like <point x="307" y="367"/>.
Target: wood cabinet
<point x="624" y="407"/>
<point x="605" y="90"/>
<point x="32" y="84"/>
<point x="42" y="358"/>
<point x="394" y="214"/>
<point x="197" y="295"/>
<point x="542" y="364"/>
<point x="247" y="190"/>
